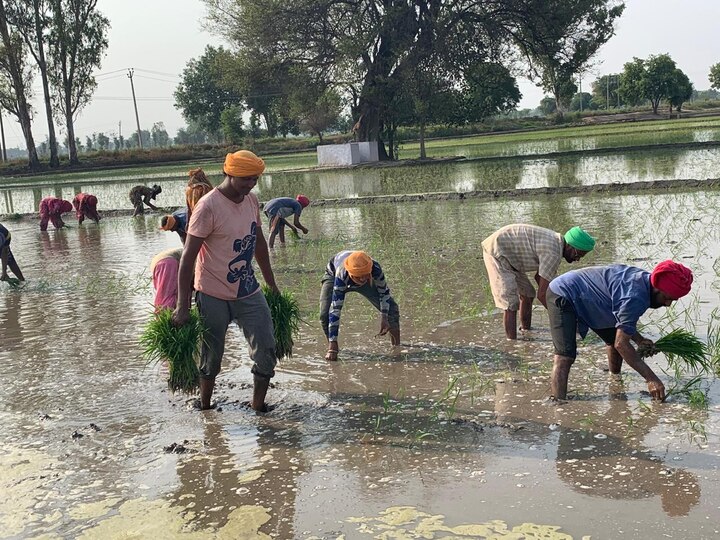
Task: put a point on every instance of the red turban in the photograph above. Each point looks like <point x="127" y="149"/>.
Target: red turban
<point x="303" y="200"/>
<point x="672" y="278"/>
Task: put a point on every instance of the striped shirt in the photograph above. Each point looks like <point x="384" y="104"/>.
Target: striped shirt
<point x="527" y="248"/>
<point x="343" y="283"/>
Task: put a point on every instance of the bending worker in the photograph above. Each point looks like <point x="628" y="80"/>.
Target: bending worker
<point x="141" y="195"/>
<point x="51" y="210"/>
<point x="176" y="222"/>
<point x="278" y="210"/>
<point x="355" y="271"/>
<point x="6" y="257"/>
<point x="610" y="300"/>
<point x="86" y="207"/>
<point x="513" y="251"/>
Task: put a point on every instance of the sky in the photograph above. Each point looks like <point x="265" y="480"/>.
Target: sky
<point x="158" y="37"/>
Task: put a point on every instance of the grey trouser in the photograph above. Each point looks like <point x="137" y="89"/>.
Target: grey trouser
<point x="367" y="290"/>
<point x="252" y="315"/>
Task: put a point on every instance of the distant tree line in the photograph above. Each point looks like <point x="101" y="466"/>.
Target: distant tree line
<point x="297" y="65"/>
<point x="61" y="40"/>
<point x="654" y="81"/>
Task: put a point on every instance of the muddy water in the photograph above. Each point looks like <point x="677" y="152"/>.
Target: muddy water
<point x="449" y="437"/>
<point x="575" y="170"/>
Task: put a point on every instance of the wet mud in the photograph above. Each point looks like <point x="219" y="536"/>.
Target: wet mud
<point x="450" y="435"/>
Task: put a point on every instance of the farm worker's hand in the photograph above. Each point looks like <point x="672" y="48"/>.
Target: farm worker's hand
<point x="384" y="325"/>
<point x="646" y="347"/>
<point x="332" y="353"/>
<point x="180" y="316"/>
<point x="303" y="229"/>
<point x="656" y="389"/>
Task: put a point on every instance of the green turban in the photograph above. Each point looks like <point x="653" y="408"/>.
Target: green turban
<point x="579" y="239"/>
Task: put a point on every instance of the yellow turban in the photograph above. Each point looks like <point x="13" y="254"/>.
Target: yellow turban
<point x="243" y="163"/>
<point x="169" y="223"/>
<point x="358" y="264"/>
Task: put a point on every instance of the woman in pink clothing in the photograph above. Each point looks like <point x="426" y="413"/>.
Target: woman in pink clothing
<point x="51" y="210"/>
<point x="86" y="207"/>
<point x="164" y="271"/>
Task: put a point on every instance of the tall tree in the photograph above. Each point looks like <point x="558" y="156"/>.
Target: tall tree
<point x="633" y="82"/>
<point x="16" y="92"/>
<point x="714" y="76"/>
<point x="660" y="79"/>
<point x="202" y="95"/>
<point x="76" y="45"/>
<point x="605" y="91"/>
<point x="682" y="90"/>
<point x="32" y="18"/>
<point x="559" y="46"/>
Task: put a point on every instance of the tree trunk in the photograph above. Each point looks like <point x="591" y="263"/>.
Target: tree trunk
<point x="72" y="147"/>
<point x="15" y="71"/>
<point x="423" y="155"/>
<point x="369" y="126"/>
<point x="42" y="65"/>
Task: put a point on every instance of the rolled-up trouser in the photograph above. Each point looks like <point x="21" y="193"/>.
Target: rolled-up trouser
<point x="506" y="283"/>
<point x="252" y="315"/>
<point x="367" y="290"/>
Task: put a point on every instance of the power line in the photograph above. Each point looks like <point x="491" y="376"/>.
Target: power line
<point x="156" y="79"/>
<point x="158" y="73"/>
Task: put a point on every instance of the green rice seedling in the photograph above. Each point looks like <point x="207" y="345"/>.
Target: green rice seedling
<point x="295" y="234"/>
<point x="179" y="346"/>
<point x="285" y="312"/>
<point x="682" y="345"/>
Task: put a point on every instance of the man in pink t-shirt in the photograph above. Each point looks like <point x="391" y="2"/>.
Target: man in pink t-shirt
<point x="224" y="235"/>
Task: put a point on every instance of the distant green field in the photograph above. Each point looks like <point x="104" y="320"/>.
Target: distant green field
<point x="501" y="144"/>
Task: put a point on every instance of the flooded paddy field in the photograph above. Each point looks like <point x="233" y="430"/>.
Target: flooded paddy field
<point x="566" y="171"/>
<point x="451" y="436"/>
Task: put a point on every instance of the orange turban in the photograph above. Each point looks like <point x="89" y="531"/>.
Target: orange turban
<point x="358" y="264"/>
<point x="243" y="163"/>
<point x="169" y="223"/>
<point x="672" y="278"/>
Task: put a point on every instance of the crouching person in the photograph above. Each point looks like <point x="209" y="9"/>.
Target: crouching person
<point x="610" y="300"/>
<point x="355" y="271"/>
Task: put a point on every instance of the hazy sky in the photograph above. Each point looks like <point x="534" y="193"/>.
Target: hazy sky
<point x="158" y="37"/>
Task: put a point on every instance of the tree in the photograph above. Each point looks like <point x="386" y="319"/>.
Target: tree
<point x="132" y="141"/>
<point x="316" y="107"/>
<point x="582" y="101"/>
<point x="605" y="91"/>
<point x="632" y="85"/>
<point x="488" y="89"/>
<point x="232" y="124"/>
<point x="714" y="76"/>
<point x="548" y="105"/>
<point x="682" y="90"/>
<point x="76" y="45"/>
<point x="15" y="89"/>
<point x="560" y="46"/>
<point x="102" y="141"/>
<point x="89" y="144"/>
<point x="375" y="45"/>
<point x="660" y="79"/>
<point x="202" y="96"/>
<point x="31" y="18"/>
<point x="159" y="135"/>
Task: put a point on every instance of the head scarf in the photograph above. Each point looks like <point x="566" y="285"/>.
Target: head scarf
<point x="169" y="223"/>
<point x="303" y="200"/>
<point x="157" y="189"/>
<point x="243" y="163"/>
<point x="65" y="206"/>
<point x="198" y="186"/>
<point x="672" y="278"/>
<point x="579" y="239"/>
<point x="358" y="264"/>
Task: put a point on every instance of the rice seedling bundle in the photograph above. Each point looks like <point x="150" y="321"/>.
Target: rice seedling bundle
<point x="179" y="346"/>
<point x="285" y="313"/>
<point x="682" y="345"/>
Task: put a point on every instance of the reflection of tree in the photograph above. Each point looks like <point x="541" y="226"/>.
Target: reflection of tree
<point x="647" y="165"/>
<point x="565" y="174"/>
<point x="225" y="476"/>
<point x="595" y="455"/>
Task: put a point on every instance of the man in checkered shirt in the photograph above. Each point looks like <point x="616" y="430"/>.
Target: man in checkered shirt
<point x="513" y="251"/>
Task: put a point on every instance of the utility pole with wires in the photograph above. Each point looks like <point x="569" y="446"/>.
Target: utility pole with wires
<point x="137" y="118"/>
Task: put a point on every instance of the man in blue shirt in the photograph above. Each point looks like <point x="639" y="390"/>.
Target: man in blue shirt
<point x="177" y="222"/>
<point x="278" y="210"/>
<point x="610" y="300"/>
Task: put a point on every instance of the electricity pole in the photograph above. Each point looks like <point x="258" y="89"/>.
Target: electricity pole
<point x="607" y="92"/>
<point x="137" y="118"/>
<point x="2" y="135"/>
